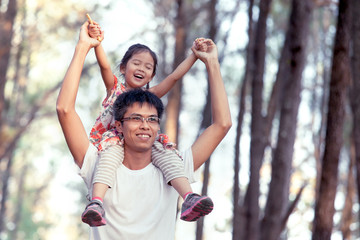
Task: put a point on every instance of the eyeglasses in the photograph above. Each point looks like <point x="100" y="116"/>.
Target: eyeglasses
<point x="140" y="119"/>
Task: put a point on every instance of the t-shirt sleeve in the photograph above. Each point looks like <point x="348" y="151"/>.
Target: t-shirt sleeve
<point x="189" y="166"/>
<point x="87" y="170"/>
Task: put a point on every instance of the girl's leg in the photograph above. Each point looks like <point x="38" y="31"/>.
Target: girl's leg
<point x="99" y="190"/>
<point x="109" y="161"/>
<point x="182" y="186"/>
<point x="172" y="167"/>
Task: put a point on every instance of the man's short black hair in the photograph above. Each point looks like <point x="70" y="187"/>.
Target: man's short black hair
<point x="137" y="95"/>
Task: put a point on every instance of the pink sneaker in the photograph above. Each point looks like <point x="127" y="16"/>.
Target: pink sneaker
<point x="195" y="206"/>
<point x="94" y="214"/>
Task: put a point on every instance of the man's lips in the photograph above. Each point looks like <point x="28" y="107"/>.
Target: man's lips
<point x="143" y="135"/>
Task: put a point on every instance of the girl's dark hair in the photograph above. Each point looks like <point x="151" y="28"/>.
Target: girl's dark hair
<point x="137" y="95"/>
<point x="136" y="48"/>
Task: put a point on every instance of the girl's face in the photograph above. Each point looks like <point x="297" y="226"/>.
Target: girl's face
<point x="138" y="70"/>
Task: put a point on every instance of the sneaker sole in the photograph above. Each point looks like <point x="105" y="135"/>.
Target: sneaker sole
<point x="93" y="218"/>
<point x="203" y="207"/>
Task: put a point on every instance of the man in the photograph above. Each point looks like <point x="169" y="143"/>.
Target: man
<point x="140" y="205"/>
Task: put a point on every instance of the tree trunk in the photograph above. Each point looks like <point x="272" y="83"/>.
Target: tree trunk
<point x="4" y="190"/>
<point x="355" y="88"/>
<point x="206" y="121"/>
<point x="347" y="215"/>
<point x="200" y="222"/>
<point x="340" y="76"/>
<point x="20" y="201"/>
<point x="6" y="33"/>
<point x="319" y="103"/>
<point x="296" y="39"/>
<point x="207" y="117"/>
<point x="174" y="98"/>
<point x="238" y="228"/>
<point x="251" y="204"/>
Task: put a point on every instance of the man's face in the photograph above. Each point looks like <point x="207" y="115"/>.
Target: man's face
<point x="139" y="136"/>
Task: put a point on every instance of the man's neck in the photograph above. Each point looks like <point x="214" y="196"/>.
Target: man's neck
<point x="136" y="160"/>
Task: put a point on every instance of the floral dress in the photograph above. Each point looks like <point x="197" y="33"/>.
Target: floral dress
<point x="104" y="134"/>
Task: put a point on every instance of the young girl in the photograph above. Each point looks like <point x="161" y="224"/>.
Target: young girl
<point x="138" y="67"/>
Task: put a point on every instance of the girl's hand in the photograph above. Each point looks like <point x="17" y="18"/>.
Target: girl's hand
<point x="95" y="31"/>
<point x="84" y="37"/>
<point x="205" y="49"/>
<point x="200" y="44"/>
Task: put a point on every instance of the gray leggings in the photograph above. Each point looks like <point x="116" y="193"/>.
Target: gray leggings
<point x="166" y="160"/>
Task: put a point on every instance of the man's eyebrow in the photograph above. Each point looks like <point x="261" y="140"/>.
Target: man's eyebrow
<point x="140" y="115"/>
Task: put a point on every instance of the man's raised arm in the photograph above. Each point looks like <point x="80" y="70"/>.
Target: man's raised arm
<point x="73" y="128"/>
<point x="214" y="134"/>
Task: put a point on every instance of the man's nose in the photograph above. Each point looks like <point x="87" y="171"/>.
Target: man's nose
<point x="144" y="124"/>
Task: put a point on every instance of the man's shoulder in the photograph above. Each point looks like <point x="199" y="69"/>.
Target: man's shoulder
<point x="90" y="157"/>
<point x="186" y="154"/>
<point x="92" y="150"/>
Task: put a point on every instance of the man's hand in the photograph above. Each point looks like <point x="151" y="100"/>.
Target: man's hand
<point x="205" y="49"/>
<point x="95" y="29"/>
<point x="84" y="37"/>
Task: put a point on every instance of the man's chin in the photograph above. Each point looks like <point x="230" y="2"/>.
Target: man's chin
<point x="144" y="147"/>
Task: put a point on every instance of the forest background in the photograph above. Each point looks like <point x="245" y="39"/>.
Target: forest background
<point x="289" y="167"/>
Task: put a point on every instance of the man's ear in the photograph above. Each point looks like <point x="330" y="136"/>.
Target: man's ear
<point x="118" y="126"/>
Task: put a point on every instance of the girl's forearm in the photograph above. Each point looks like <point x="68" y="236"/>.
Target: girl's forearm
<point x="105" y="68"/>
<point x="184" y="67"/>
<point x="164" y="86"/>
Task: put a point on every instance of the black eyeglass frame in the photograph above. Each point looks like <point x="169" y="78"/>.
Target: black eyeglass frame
<point x="139" y="119"/>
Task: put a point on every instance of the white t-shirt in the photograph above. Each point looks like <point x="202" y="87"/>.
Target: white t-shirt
<point x="140" y="205"/>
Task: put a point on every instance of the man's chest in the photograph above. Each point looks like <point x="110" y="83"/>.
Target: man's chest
<point x="137" y="191"/>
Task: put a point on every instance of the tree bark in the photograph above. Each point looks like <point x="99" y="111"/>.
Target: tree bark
<point x="207" y="117"/>
<point x="6" y="33"/>
<point x="340" y="76"/>
<point x="238" y="228"/>
<point x="347" y="215"/>
<point x="20" y="201"/>
<point x="319" y="103"/>
<point x="295" y="43"/>
<point x="174" y="98"/>
<point x="251" y="204"/>
<point x="4" y="189"/>
<point x="355" y="88"/>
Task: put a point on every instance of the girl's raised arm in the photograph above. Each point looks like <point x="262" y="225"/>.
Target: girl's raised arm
<point x="105" y="67"/>
<point x="165" y="85"/>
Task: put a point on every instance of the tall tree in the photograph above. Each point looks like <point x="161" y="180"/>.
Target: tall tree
<point x="174" y="98"/>
<point x="251" y="203"/>
<point x="340" y="78"/>
<point x="294" y="62"/>
<point x="237" y="226"/>
<point x="322" y="80"/>
<point x="207" y="117"/>
<point x="347" y="214"/>
<point x="355" y="88"/>
<point x="7" y="19"/>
